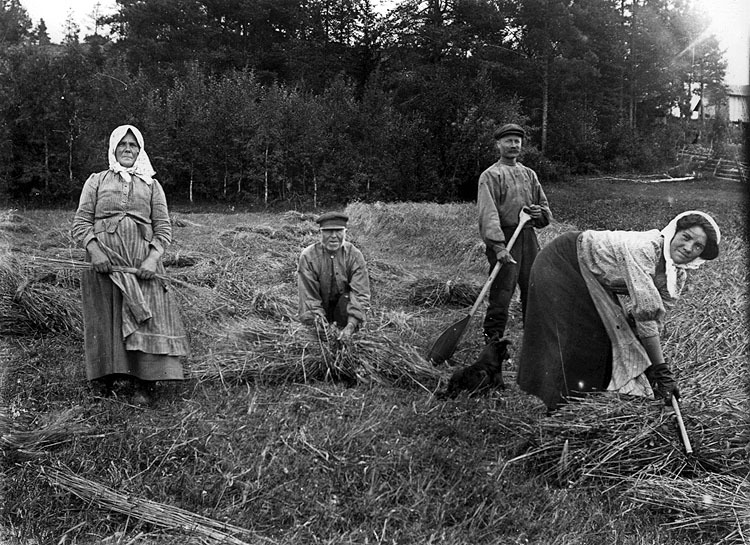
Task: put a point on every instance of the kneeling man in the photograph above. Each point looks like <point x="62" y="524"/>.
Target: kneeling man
<point x="332" y="279"/>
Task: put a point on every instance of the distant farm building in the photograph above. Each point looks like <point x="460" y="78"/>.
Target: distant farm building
<point x="738" y="103"/>
<point x="735" y="105"/>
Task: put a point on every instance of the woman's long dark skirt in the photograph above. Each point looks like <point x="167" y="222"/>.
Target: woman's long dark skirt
<point x="565" y="348"/>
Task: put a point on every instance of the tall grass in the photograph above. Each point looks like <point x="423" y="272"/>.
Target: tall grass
<point x="441" y="237"/>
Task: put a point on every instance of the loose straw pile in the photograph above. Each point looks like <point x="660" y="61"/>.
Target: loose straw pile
<point x="610" y="438"/>
<point x="28" y="306"/>
<point x="711" y="502"/>
<point x="158" y="514"/>
<point x="15" y="440"/>
<point x="430" y="292"/>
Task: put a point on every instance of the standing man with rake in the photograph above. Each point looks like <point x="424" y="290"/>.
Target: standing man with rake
<point x="506" y="188"/>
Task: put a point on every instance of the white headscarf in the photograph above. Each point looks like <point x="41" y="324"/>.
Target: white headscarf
<point x="142" y="166"/>
<point x="668" y="233"/>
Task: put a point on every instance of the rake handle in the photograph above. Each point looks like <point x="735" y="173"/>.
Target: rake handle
<point x="523" y="218"/>
<point x="681" y="424"/>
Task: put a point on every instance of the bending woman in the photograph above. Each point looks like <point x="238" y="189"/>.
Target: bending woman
<point x="597" y="301"/>
<point x="132" y="326"/>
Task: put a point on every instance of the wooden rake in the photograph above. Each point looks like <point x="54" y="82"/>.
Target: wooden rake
<point x="445" y="345"/>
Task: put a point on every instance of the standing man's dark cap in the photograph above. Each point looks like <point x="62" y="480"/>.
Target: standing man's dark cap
<point x="508" y="129"/>
<point x="332" y="220"/>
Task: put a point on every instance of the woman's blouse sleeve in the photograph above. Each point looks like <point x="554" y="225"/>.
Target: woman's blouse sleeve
<point x="160" y="222"/>
<point x="629" y="259"/>
<point x="82" y="230"/>
<point x="640" y="262"/>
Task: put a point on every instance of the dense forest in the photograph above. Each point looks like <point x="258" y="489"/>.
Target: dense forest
<point x="328" y="101"/>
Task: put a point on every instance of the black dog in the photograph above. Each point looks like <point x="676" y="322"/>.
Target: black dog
<point x="485" y="374"/>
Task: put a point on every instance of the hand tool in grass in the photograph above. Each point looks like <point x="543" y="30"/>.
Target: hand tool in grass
<point x="445" y="345"/>
<point x="681" y="424"/>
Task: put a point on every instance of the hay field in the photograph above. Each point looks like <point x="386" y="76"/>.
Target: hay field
<point x="280" y="436"/>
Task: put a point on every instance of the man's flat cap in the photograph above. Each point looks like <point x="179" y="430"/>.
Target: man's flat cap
<point x="332" y="220"/>
<point x="508" y="129"/>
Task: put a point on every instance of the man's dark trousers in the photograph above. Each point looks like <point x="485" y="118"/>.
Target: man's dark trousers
<point x="524" y="251"/>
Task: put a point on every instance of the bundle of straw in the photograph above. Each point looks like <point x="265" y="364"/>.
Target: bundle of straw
<point x="431" y="293"/>
<point x="73" y="264"/>
<point x="607" y="437"/>
<point x="271" y="303"/>
<point x="262" y="286"/>
<point x="12" y="319"/>
<point x="15" y="440"/>
<point x="387" y="281"/>
<point x="257" y="239"/>
<point x="158" y="514"/>
<point x="28" y="306"/>
<point x="381" y="359"/>
<point x="182" y="259"/>
<point x="382" y="272"/>
<point x="270" y="351"/>
<point x="11" y="221"/>
<point x="279" y="351"/>
<point x="214" y="298"/>
<point x="50" y="308"/>
<point x="295" y="217"/>
<point x="715" y="502"/>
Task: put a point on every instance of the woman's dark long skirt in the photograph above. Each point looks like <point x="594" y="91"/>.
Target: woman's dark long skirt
<point x="565" y="348"/>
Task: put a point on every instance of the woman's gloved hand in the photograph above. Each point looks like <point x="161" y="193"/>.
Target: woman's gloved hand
<point x="663" y="382"/>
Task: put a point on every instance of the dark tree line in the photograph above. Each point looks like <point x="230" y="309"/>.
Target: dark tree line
<point x="319" y="101"/>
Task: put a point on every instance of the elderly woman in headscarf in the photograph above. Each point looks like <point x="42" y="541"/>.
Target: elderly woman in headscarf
<point x="597" y="301"/>
<point x="132" y="326"/>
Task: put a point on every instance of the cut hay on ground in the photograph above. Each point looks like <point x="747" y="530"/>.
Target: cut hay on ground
<point x="183" y="259"/>
<point x="13" y="222"/>
<point x="606" y="437"/>
<point x="387" y="274"/>
<point x="18" y="438"/>
<point x="158" y="514"/>
<point x="278" y="240"/>
<point x="430" y="292"/>
<point x="29" y="306"/>
<point x="713" y="502"/>
<point x="274" y="351"/>
<point x="236" y="286"/>
<point x="259" y="284"/>
<point x="633" y="446"/>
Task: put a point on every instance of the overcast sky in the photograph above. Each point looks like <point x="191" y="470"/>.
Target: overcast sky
<point x="731" y="24"/>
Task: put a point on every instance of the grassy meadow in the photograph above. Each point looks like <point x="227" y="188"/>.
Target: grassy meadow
<point x="281" y="437"/>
